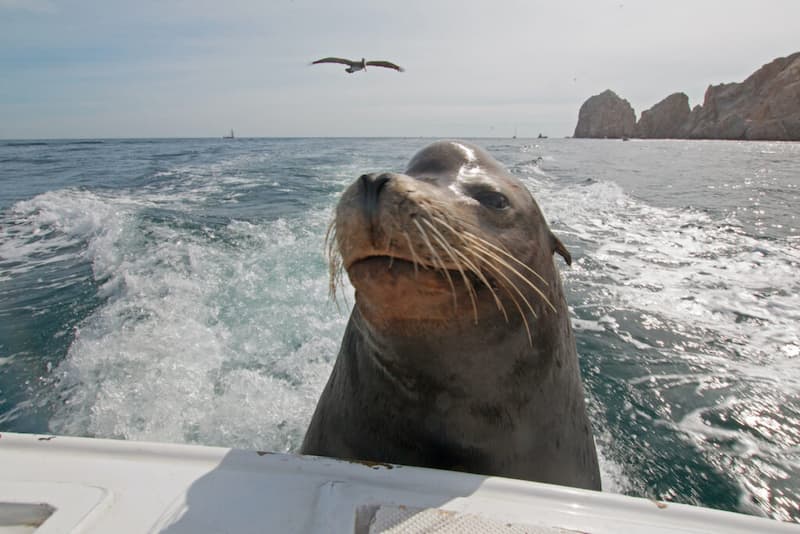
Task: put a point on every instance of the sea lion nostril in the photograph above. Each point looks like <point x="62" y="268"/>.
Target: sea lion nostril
<point x="373" y="184"/>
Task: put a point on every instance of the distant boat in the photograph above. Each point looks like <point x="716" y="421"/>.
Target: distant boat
<point x="229" y="136"/>
<point x="515" y="133"/>
<point x="542" y="136"/>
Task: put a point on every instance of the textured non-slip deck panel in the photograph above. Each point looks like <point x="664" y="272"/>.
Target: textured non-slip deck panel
<point x="406" y="520"/>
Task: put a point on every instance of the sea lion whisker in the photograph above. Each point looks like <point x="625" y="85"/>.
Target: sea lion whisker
<point x="505" y="286"/>
<point x="413" y="251"/>
<point x="331" y="251"/>
<point x="499" y="273"/>
<point x="513" y="270"/>
<point x="446" y="245"/>
<point x="439" y="260"/>
<point x="445" y="213"/>
<point x="449" y="250"/>
<point x="443" y="217"/>
<point x="413" y="254"/>
<point x="389" y="249"/>
<point x="524" y="320"/>
<point x="470" y="235"/>
<point x="334" y="260"/>
<point x="440" y="216"/>
<point x="474" y="269"/>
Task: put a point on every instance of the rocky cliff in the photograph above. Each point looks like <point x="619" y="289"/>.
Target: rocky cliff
<point x="766" y="106"/>
<point x="605" y="115"/>
<point x="666" y="119"/>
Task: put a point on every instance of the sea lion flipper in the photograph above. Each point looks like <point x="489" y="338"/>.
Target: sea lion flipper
<point x="559" y="247"/>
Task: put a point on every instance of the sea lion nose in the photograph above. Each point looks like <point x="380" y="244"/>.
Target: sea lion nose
<point x="372" y="184"/>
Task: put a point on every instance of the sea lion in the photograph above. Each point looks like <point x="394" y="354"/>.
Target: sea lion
<point x="459" y="352"/>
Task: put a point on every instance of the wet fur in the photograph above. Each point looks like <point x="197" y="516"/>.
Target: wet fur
<point x="459" y="352"/>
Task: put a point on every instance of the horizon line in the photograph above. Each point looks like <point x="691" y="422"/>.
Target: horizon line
<point x="112" y="138"/>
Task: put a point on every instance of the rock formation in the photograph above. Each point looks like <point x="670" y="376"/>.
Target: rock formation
<point x="766" y="106"/>
<point x="605" y="115"/>
<point x="665" y="120"/>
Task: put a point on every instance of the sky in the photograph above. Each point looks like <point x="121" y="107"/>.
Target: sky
<point x="197" y="68"/>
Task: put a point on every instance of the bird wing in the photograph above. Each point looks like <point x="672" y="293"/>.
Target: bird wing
<point x="387" y="64"/>
<point x="335" y="60"/>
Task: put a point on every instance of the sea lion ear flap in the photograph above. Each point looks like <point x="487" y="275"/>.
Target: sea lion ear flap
<point x="559" y="247"/>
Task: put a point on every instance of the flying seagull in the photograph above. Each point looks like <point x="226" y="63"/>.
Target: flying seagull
<point x="353" y="66"/>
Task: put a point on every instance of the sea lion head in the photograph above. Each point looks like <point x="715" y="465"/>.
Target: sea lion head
<point x="456" y="240"/>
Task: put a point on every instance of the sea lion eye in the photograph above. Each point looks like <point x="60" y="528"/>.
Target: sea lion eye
<point x="492" y="199"/>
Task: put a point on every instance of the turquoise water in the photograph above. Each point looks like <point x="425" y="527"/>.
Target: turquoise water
<point x="176" y="290"/>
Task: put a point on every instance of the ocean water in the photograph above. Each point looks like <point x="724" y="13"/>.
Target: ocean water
<point x="177" y="290"/>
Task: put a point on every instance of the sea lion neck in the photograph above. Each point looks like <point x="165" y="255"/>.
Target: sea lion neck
<point x="444" y="357"/>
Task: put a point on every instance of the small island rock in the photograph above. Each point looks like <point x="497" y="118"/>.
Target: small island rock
<point x="605" y="115"/>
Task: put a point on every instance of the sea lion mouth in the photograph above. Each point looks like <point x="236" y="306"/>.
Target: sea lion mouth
<point x="402" y="266"/>
<point x="389" y="260"/>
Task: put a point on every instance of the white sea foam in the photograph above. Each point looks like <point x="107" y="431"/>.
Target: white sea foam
<point x="217" y="336"/>
<point x="709" y="280"/>
<point x="51" y="227"/>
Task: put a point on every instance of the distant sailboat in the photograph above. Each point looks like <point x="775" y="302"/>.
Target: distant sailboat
<point x="228" y="136"/>
<point x="515" y="133"/>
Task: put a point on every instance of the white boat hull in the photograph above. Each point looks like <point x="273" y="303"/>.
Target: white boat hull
<point x="52" y="485"/>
